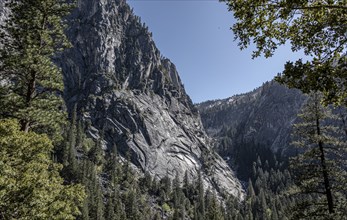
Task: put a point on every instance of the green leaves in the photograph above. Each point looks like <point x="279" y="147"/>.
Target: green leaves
<point x="319" y="167"/>
<point x="328" y="77"/>
<point x="30" y="100"/>
<point x="33" y="84"/>
<point x="317" y="27"/>
<point x="30" y="185"/>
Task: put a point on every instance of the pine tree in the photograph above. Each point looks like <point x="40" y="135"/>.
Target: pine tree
<point x="261" y="205"/>
<point x="118" y="206"/>
<point x="213" y="211"/>
<point x="201" y="198"/>
<point x="165" y="188"/>
<point x="319" y="168"/>
<point x="96" y="153"/>
<point x="178" y="198"/>
<point x="274" y="215"/>
<point x="100" y="206"/>
<point x="96" y="203"/>
<point x="85" y="209"/>
<point x="186" y="184"/>
<point x="231" y="208"/>
<point x="250" y="200"/>
<point x="109" y="212"/>
<point x="30" y="185"/>
<point x="131" y="204"/>
<point x="128" y="175"/>
<point x="196" y="215"/>
<point x="32" y="35"/>
<point x="113" y="168"/>
<point x="147" y="181"/>
<point x="70" y="170"/>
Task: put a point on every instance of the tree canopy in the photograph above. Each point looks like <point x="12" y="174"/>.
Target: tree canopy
<point x="30" y="185"/>
<point x="319" y="168"/>
<point x="317" y="27"/>
<point x="30" y="82"/>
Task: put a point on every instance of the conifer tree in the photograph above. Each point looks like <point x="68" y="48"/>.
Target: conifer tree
<point x="274" y="215"/>
<point x="201" y="198"/>
<point x="250" y="200"/>
<point x="131" y="204"/>
<point x="100" y="206"/>
<point x="110" y="214"/>
<point x="261" y="205"/>
<point x="147" y="181"/>
<point x="186" y="183"/>
<point x="96" y="153"/>
<point x="30" y="185"/>
<point x="178" y="199"/>
<point x="128" y="175"/>
<point x="96" y="204"/>
<point x="165" y="188"/>
<point x="231" y="208"/>
<point x="213" y="211"/>
<point x="31" y="82"/>
<point x="118" y="206"/>
<point x="70" y="170"/>
<point x="85" y="208"/>
<point x="319" y="169"/>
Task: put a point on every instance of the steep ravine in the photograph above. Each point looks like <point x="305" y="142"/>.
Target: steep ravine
<point x="130" y="95"/>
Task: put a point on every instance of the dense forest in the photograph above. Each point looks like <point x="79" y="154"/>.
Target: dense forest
<point x="51" y="168"/>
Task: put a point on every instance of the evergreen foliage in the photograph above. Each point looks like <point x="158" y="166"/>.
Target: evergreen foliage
<point x="101" y="184"/>
<point x="30" y="185"/>
<point x="320" y="168"/>
<point x="32" y="115"/>
<point x="31" y="84"/>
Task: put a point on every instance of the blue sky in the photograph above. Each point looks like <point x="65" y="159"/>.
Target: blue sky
<point x="195" y="35"/>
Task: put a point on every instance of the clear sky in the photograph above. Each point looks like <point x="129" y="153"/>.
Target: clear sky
<point x="195" y="35"/>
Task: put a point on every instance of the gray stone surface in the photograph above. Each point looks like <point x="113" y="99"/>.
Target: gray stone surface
<point x="263" y="116"/>
<point x="125" y="88"/>
<point x="3" y="11"/>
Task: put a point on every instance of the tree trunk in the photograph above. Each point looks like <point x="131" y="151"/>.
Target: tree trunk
<point x="25" y="124"/>
<point x="325" y="171"/>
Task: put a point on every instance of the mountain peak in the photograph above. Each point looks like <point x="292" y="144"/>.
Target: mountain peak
<point x="127" y="93"/>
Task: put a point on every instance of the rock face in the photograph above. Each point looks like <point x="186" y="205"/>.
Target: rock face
<point x="263" y="116"/>
<point x="133" y="98"/>
<point x="4" y="12"/>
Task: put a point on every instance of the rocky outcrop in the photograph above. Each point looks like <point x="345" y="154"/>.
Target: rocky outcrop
<point x="3" y="12"/>
<point x="132" y="97"/>
<point x="263" y="116"/>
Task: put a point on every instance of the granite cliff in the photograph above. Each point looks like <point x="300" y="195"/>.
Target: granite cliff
<point x="130" y="96"/>
<point x="258" y="123"/>
<point x="264" y="115"/>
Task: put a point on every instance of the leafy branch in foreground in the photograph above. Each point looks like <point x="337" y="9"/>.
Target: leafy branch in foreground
<point x="317" y="27"/>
